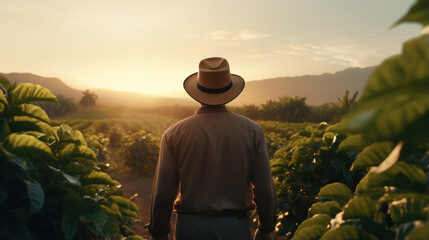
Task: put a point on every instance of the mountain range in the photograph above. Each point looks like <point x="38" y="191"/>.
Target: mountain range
<point x="317" y="89"/>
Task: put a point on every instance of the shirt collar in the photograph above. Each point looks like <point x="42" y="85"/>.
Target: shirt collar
<point x="211" y="109"/>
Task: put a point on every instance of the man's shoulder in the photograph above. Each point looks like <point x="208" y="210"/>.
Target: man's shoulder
<point x="246" y="121"/>
<point x="178" y="125"/>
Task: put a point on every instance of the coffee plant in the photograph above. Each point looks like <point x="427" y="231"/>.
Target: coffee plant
<point x="308" y="162"/>
<point x="51" y="186"/>
<point x="389" y="125"/>
<point x="139" y="151"/>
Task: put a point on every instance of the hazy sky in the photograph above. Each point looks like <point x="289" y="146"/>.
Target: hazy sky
<point x="152" y="46"/>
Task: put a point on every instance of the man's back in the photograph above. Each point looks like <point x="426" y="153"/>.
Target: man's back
<point x="216" y="152"/>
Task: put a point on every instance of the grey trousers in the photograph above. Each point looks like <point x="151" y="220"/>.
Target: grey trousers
<point x="202" y="227"/>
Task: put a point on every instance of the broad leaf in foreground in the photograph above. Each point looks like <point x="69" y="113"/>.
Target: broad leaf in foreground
<point x="26" y="145"/>
<point x="418" y="13"/>
<point x="28" y="92"/>
<point x="338" y="192"/>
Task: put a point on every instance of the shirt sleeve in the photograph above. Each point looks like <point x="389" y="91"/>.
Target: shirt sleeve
<point x="164" y="190"/>
<point x="264" y="192"/>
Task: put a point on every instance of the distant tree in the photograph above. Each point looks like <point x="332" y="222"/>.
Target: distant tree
<point x="325" y="113"/>
<point x="288" y="109"/>
<point x="251" y="111"/>
<point x="89" y="98"/>
<point x="346" y="104"/>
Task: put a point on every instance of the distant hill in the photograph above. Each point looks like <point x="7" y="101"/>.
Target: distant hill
<point x="56" y="86"/>
<point x="105" y="96"/>
<point x="318" y="89"/>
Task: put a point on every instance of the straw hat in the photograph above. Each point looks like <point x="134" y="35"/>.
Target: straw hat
<point x="213" y="84"/>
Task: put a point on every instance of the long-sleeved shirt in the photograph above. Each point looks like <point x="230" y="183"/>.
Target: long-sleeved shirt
<point x="210" y="163"/>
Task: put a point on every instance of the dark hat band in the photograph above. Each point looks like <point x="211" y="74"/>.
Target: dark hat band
<point x="214" y="90"/>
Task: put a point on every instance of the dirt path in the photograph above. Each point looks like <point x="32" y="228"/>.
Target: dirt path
<point x="133" y="183"/>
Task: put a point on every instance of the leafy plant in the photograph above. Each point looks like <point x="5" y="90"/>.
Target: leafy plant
<point x="139" y="151"/>
<point x="309" y="161"/>
<point x="389" y="126"/>
<point x="51" y="186"/>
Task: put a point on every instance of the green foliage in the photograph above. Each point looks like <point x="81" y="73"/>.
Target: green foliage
<point x="295" y="109"/>
<point x="139" y="151"/>
<point x="288" y="109"/>
<point x="395" y="102"/>
<point x="336" y="192"/>
<point x="346" y="103"/>
<point x="348" y="232"/>
<point x="418" y="13"/>
<point x="26" y="145"/>
<point x="51" y="186"/>
<point x="330" y="208"/>
<point x="28" y="92"/>
<point x="392" y="200"/>
<point x="308" y="162"/>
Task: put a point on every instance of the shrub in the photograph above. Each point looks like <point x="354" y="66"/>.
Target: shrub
<point x="309" y="161"/>
<point x="139" y="151"/>
<point x="50" y="185"/>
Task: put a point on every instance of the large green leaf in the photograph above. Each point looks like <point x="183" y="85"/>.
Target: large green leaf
<point x="372" y="155"/>
<point x="401" y="71"/>
<point x="5" y="82"/>
<point x="330" y="207"/>
<point x="338" y="192"/>
<point x="360" y="207"/>
<point x="398" y="194"/>
<point x="75" y="151"/>
<point x="111" y="228"/>
<point x="25" y="123"/>
<point x="3" y="99"/>
<point x="390" y="160"/>
<point x="407" y="210"/>
<point x="93" y="216"/>
<point x="418" y="13"/>
<point x="36" y="194"/>
<point x="112" y="209"/>
<point x="318" y="219"/>
<point x="70" y="222"/>
<point x="98" y="178"/>
<point x="353" y="142"/>
<point x="124" y="205"/>
<point x="23" y="144"/>
<point x="347" y="232"/>
<point x="313" y="232"/>
<point x="66" y="134"/>
<point x="401" y="175"/>
<point x="28" y="92"/>
<point x="390" y="116"/>
<point x="33" y="111"/>
<point x="395" y="98"/>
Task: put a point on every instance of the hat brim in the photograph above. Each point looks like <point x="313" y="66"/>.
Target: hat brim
<point x="213" y="99"/>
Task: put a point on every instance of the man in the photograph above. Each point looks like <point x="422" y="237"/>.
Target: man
<point x="213" y="165"/>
